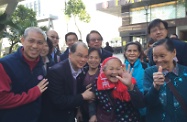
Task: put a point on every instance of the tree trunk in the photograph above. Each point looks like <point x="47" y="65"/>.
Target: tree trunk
<point x="12" y="45"/>
<point x="78" y="28"/>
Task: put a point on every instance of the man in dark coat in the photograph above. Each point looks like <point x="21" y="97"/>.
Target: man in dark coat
<point x="109" y="48"/>
<point x="70" y="39"/>
<point x="94" y="39"/>
<point x="53" y="36"/>
<point x="22" y="79"/>
<point x="65" y="92"/>
<point x="158" y="29"/>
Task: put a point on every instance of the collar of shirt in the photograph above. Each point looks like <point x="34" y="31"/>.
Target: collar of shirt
<point x="46" y="60"/>
<point x="175" y="70"/>
<point x="73" y="72"/>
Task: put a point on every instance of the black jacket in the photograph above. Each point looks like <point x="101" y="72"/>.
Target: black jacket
<point x="64" y="55"/>
<point x="59" y="102"/>
<point x="105" y="54"/>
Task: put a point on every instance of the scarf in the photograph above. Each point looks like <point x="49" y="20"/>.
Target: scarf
<point x="120" y="91"/>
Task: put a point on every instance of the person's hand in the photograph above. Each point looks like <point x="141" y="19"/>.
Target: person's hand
<point x="88" y="86"/>
<point x="88" y="95"/>
<point x="158" y="78"/>
<point x="42" y="85"/>
<point x="93" y="118"/>
<point x="126" y="77"/>
<point x="79" y="115"/>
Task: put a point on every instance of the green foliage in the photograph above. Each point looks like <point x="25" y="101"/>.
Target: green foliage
<point x="77" y="9"/>
<point x="21" y="19"/>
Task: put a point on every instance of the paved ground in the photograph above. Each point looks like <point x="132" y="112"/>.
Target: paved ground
<point x="120" y="56"/>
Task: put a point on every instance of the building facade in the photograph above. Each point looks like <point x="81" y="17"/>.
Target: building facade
<point x="43" y="15"/>
<point x="136" y="15"/>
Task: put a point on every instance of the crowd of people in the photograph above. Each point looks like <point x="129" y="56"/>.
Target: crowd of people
<point x="86" y="83"/>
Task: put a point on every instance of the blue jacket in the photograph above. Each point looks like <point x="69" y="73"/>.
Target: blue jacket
<point x="138" y="73"/>
<point x="162" y="105"/>
<point x="22" y="79"/>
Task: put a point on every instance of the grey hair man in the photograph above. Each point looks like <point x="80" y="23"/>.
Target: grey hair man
<point x="65" y="93"/>
<point x="22" y="79"/>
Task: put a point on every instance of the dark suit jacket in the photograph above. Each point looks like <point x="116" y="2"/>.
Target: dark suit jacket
<point x="64" y="55"/>
<point x="59" y="101"/>
<point x="56" y="56"/>
<point x="181" y="48"/>
<point x="105" y="54"/>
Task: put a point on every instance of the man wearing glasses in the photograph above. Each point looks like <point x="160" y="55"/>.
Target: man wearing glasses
<point x="157" y="30"/>
<point x="53" y="36"/>
<point x="65" y="92"/>
<point x="94" y="39"/>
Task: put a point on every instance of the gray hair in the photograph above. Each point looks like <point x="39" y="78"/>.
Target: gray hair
<point x="35" y="29"/>
<point x="74" y="46"/>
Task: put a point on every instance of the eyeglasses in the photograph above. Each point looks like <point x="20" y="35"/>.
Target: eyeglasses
<point x="157" y="29"/>
<point x="94" y="40"/>
<point x="53" y="37"/>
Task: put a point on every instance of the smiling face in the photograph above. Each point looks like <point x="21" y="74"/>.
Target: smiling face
<point x="33" y="45"/>
<point x="112" y="69"/>
<point x="71" y="39"/>
<point x="79" y="58"/>
<point x="45" y="50"/>
<point x="132" y="53"/>
<point x="94" y="60"/>
<point x="163" y="57"/>
<point x="158" y="32"/>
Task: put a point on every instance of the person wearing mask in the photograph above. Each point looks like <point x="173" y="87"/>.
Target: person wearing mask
<point x="70" y="39"/>
<point x="94" y="39"/>
<point x="53" y="36"/>
<point x="22" y="79"/>
<point x="157" y="30"/>
<point x="165" y="85"/>
<point x="65" y="92"/>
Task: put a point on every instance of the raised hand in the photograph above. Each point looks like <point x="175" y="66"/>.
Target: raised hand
<point x="158" y="78"/>
<point x="126" y="77"/>
<point x="42" y="85"/>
